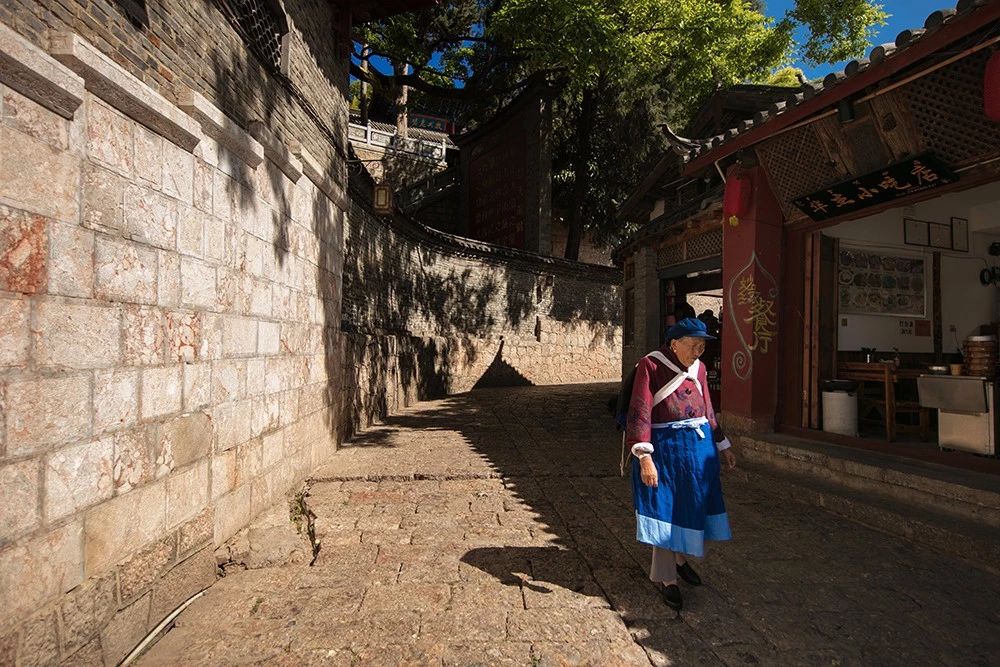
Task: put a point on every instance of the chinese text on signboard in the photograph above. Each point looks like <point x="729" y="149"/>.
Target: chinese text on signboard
<point x="899" y="180"/>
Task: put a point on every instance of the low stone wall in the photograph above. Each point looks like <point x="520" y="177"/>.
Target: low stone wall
<point x="427" y="314"/>
<point x="167" y="284"/>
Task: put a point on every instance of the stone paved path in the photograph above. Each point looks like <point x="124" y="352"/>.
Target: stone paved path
<point x="501" y="534"/>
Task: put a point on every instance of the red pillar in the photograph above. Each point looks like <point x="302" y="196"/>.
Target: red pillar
<point x="751" y="273"/>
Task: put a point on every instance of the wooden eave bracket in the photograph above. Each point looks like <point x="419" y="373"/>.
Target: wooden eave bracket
<point x="219" y="126"/>
<point x="109" y="81"/>
<point x="35" y="74"/>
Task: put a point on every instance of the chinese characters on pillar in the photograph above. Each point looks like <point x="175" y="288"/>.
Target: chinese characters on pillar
<point x="899" y="180"/>
<point x="760" y="315"/>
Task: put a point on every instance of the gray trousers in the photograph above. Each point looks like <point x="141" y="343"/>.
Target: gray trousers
<point x="663" y="567"/>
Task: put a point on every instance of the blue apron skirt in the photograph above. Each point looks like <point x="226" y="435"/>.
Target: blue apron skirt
<point x="686" y="508"/>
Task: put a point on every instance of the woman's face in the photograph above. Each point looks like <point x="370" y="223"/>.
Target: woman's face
<point x="688" y="349"/>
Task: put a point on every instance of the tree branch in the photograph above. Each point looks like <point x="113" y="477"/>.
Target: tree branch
<point x="471" y="92"/>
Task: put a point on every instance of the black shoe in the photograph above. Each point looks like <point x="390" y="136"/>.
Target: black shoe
<point x="672" y="596"/>
<point x="688" y="574"/>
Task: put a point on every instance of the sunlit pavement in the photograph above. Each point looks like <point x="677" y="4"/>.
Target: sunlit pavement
<point x="493" y="528"/>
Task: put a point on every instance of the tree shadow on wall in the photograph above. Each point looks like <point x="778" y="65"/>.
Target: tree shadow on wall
<point x="401" y="315"/>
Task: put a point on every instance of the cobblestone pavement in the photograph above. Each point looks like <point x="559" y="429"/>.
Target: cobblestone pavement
<point x="501" y="534"/>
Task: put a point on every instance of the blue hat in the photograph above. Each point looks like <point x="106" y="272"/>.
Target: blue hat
<point x="689" y="326"/>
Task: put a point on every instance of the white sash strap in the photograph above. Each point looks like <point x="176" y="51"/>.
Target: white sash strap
<point x="695" y="422"/>
<point x="671" y="387"/>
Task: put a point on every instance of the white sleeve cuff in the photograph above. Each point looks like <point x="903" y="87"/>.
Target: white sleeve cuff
<point x="725" y="444"/>
<point x="640" y="448"/>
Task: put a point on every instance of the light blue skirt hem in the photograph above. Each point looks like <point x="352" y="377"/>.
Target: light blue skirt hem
<point x="677" y="538"/>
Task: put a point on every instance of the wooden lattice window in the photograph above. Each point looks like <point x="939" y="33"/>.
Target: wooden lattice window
<point x="135" y="11"/>
<point x="628" y="317"/>
<point x="263" y="27"/>
<point x="705" y="245"/>
<point x="670" y="254"/>
<point x="948" y="107"/>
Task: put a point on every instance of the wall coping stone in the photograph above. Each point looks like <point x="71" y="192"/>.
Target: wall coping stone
<point x="219" y="126"/>
<point x="315" y="173"/>
<point x="38" y="76"/>
<point x="106" y="79"/>
<point x="276" y="151"/>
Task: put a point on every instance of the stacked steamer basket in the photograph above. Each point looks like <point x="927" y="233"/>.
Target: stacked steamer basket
<point x="980" y="354"/>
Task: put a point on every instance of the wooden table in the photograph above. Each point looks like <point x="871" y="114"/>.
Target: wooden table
<point x="888" y="374"/>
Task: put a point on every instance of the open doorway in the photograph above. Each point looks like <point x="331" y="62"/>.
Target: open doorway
<point x="695" y="290"/>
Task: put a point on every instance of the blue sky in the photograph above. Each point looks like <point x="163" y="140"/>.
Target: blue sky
<point x="904" y="14"/>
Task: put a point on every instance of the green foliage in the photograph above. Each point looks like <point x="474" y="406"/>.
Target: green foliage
<point x="622" y="68"/>
<point x="788" y="77"/>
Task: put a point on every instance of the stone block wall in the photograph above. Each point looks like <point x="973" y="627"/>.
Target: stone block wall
<point x="169" y="311"/>
<point x="427" y="314"/>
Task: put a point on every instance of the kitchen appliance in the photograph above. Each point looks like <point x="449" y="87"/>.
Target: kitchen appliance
<point x="967" y="411"/>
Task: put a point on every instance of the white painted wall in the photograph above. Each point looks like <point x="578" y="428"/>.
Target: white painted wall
<point x="965" y="302"/>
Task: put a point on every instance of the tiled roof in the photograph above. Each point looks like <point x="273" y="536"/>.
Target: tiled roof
<point x="693" y="148"/>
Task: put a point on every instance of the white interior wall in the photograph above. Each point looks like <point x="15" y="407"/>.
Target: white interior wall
<point x="965" y="302"/>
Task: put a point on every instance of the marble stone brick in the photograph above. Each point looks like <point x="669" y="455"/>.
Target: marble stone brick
<point x="232" y="295"/>
<point x="187" y="438"/>
<point x="149" y="157"/>
<point x="191" y="232"/>
<point x="178" y="172"/>
<point x="183" y="332"/>
<point x="125" y="271"/>
<point x="197" y="385"/>
<point x="134" y="463"/>
<point x="78" y="476"/>
<point x="84" y="611"/>
<point x="198" y="284"/>
<point x="229" y="380"/>
<point x="223" y="189"/>
<point x="260" y="297"/>
<point x="34" y="120"/>
<point x="249" y="458"/>
<point x="37" y="569"/>
<point x="46" y="411"/>
<point x="273" y="448"/>
<point x="218" y="240"/>
<point x="70" y="334"/>
<point x="195" y="532"/>
<point x="203" y="185"/>
<point x="39" y="643"/>
<point x="232" y="512"/>
<point x="14" y="331"/>
<point x="116" y="399"/>
<point x="38" y="178"/>
<point x="150" y="217"/>
<point x="168" y="278"/>
<point x="103" y="199"/>
<point x="223" y="473"/>
<point x="196" y="573"/>
<point x="19" y="510"/>
<point x="239" y="336"/>
<point x="211" y="336"/>
<point x="125" y="630"/>
<point x="232" y="424"/>
<point x="109" y="137"/>
<point x="266" y="414"/>
<point x="187" y="493"/>
<point x="24" y="242"/>
<point x="256" y="369"/>
<point x="161" y="391"/>
<point x="122" y="525"/>
<point x="143" y="333"/>
<point x="71" y="261"/>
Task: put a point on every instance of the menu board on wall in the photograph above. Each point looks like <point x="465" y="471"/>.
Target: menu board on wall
<point x="877" y="283"/>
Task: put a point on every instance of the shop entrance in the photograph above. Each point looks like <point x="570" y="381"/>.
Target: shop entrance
<point x="695" y="290"/>
<point x="890" y="327"/>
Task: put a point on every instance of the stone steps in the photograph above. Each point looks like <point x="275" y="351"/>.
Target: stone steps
<point x="951" y="511"/>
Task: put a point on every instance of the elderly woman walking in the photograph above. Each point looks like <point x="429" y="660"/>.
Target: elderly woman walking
<point x="672" y="432"/>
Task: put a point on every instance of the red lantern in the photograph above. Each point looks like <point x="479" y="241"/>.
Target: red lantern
<point x="736" y="200"/>
<point x="991" y="88"/>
